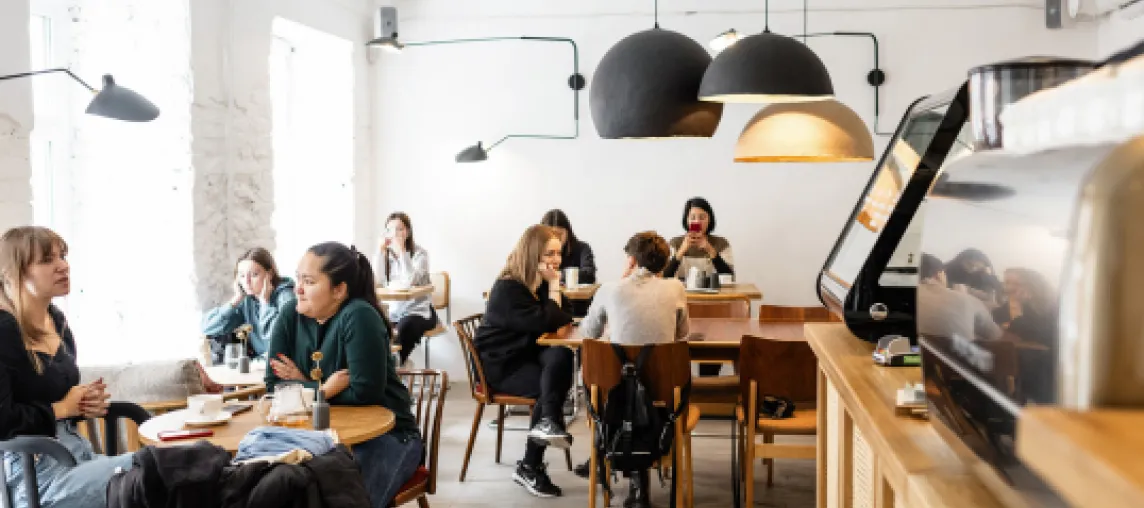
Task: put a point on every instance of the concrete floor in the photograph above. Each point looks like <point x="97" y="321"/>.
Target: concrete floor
<point x="490" y="484"/>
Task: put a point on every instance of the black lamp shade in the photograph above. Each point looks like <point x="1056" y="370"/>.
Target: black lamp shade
<point x="475" y="153"/>
<point x="646" y="87"/>
<point x="766" y="68"/>
<point x="120" y="103"/>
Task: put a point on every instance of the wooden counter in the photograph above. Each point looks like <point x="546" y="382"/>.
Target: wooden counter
<point x="1092" y="459"/>
<point x="867" y="454"/>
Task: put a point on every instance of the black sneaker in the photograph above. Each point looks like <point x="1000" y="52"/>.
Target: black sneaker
<point x="536" y="480"/>
<point x="583" y="470"/>
<point x="550" y="433"/>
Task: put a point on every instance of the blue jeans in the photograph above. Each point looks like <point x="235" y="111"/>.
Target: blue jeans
<point x="387" y="462"/>
<point x="82" y="486"/>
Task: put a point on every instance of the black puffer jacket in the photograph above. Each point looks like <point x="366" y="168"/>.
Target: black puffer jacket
<point x="176" y="477"/>
<point x="201" y="476"/>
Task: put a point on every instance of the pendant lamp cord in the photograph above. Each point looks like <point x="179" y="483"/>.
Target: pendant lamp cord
<point x="656" y="13"/>
<point x="767" y="17"/>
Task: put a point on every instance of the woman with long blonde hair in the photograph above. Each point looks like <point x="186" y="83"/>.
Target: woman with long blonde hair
<point x="525" y="303"/>
<point x="40" y="394"/>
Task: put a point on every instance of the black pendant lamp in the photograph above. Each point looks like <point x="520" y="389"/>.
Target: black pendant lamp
<point x="766" y="68"/>
<point x="646" y="87"/>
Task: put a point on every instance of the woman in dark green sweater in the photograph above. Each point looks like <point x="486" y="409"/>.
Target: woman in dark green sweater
<point x="337" y="313"/>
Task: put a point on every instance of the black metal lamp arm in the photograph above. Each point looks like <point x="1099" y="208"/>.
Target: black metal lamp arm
<point x="47" y="71"/>
<point x="576" y="81"/>
<point x="876" y="77"/>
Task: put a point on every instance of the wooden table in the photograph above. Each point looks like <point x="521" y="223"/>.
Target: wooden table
<point x="401" y="295"/>
<point x="353" y="424"/>
<point x="232" y="378"/>
<point x="727" y="292"/>
<point x="581" y="292"/>
<point x="1091" y="458"/>
<point x="710" y="339"/>
<point x="867" y="454"/>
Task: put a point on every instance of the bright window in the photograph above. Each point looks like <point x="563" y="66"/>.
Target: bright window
<point x="311" y="85"/>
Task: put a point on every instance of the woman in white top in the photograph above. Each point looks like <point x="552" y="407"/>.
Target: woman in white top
<point x="642" y="307"/>
<point x="400" y="263"/>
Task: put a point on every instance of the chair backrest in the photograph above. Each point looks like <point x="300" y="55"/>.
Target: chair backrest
<point x="441" y="289"/>
<point x="721" y="309"/>
<point x="428" y="389"/>
<point x="782" y="314"/>
<point x="466" y="329"/>
<point x="780" y="368"/>
<point x="667" y="368"/>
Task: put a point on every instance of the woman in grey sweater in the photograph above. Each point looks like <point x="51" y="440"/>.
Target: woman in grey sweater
<point x="401" y="263"/>
<point x="642" y="307"/>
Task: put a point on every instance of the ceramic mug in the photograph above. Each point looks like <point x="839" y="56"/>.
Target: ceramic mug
<point x="204" y="407"/>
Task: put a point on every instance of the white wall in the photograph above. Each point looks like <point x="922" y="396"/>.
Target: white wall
<point x="15" y="117"/>
<point x="233" y="134"/>
<point x="782" y="219"/>
<point x="1117" y="33"/>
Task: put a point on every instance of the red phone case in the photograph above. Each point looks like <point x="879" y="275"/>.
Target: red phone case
<point x="175" y="435"/>
<point x="695" y="227"/>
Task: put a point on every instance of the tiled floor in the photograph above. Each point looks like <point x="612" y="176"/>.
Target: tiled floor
<point x="490" y="484"/>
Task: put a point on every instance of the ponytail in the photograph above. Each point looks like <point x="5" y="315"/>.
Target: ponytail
<point x="352" y="267"/>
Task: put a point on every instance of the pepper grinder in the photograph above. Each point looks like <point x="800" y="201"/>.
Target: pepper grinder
<point x="321" y="415"/>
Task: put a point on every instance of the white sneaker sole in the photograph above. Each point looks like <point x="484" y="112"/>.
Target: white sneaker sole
<point x="562" y="442"/>
<point x="527" y="486"/>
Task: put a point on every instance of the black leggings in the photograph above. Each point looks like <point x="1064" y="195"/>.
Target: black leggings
<point x="410" y="330"/>
<point x="548" y="380"/>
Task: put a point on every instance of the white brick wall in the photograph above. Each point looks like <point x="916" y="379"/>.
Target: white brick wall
<point x="15" y="116"/>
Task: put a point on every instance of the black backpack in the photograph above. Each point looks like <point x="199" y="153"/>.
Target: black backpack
<point x="632" y="434"/>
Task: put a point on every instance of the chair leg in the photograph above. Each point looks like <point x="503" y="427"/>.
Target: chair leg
<point x="423" y="501"/>
<point x="769" y="438"/>
<point x="690" y="472"/>
<point x="425" y="341"/>
<point x="593" y="476"/>
<point x="568" y="458"/>
<point x="500" y="430"/>
<point x="472" y="438"/>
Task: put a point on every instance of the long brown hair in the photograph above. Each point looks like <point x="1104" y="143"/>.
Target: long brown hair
<point x="409" y="245"/>
<point x="265" y="260"/>
<point x="522" y="262"/>
<point x="19" y="249"/>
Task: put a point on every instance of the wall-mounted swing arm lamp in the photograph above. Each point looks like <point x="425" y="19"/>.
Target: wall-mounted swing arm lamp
<point x="479" y="152"/>
<point x="113" y="101"/>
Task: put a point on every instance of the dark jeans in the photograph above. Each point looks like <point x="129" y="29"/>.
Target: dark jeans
<point x="548" y="380"/>
<point x="410" y="330"/>
<point x="387" y="462"/>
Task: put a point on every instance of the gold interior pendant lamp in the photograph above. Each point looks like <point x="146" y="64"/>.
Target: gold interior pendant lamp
<point x="822" y="131"/>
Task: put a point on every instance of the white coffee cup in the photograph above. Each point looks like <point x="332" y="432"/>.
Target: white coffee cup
<point x="726" y="278"/>
<point x="309" y="394"/>
<point x="693" y="278"/>
<point x="571" y="277"/>
<point x="205" y="407"/>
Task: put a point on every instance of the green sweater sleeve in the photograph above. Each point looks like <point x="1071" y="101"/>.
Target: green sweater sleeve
<point x="366" y="340"/>
<point x="282" y="341"/>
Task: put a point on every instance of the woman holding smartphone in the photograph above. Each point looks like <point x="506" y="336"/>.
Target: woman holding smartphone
<point x="260" y="292"/>
<point x="525" y="303"/>
<point x="699" y="248"/>
<point x="400" y="263"/>
<point x="40" y="394"/>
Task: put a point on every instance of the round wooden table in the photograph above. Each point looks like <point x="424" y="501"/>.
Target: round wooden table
<point x="353" y="424"/>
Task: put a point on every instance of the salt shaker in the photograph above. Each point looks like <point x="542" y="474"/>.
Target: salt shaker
<point x="321" y="416"/>
<point x="244" y="365"/>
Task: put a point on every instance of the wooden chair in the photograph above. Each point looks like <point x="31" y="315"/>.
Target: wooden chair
<point x="428" y="389"/>
<point x="442" y="289"/>
<point x="667" y="371"/>
<point x="778" y="368"/>
<point x="479" y="389"/>
<point x="720" y="392"/>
